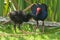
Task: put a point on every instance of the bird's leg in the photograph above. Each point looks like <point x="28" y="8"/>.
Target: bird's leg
<point x="15" y="27"/>
<point x="42" y="26"/>
<point x="19" y="27"/>
<point x="36" y="26"/>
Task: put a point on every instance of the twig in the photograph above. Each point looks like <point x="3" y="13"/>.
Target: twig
<point x="28" y="7"/>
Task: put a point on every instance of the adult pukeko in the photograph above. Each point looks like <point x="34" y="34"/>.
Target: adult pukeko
<point x="18" y="17"/>
<point x="39" y="12"/>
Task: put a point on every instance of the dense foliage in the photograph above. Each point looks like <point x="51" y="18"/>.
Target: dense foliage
<point x="53" y="15"/>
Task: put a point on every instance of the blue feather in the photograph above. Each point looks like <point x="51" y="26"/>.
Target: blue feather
<point x="42" y="14"/>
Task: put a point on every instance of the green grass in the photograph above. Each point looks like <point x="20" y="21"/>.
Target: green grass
<point x="50" y="34"/>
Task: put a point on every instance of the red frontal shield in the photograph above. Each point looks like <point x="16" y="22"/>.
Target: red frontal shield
<point x="38" y="10"/>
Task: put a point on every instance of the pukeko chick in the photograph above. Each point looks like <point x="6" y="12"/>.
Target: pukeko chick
<point x="39" y="12"/>
<point x="18" y="17"/>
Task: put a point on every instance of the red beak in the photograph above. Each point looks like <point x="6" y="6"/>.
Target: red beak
<point x="38" y="10"/>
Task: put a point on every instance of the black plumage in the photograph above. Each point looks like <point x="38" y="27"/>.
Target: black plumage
<point x="18" y="17"/>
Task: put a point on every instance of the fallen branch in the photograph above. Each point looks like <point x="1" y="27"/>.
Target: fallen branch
<point x="46" y="23"/>
<point x="33" y="22"/>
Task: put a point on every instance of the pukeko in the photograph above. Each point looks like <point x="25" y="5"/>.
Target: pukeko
<point x="39" y="12"/>
<point x="18" y="17"/>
